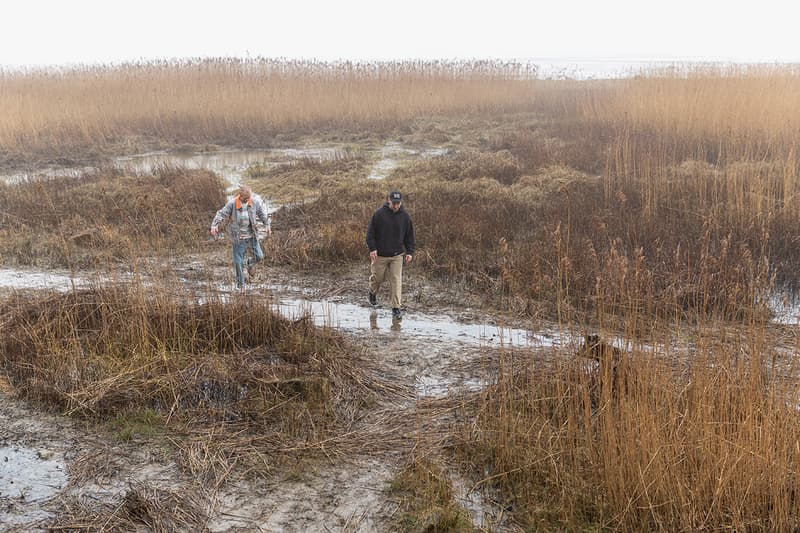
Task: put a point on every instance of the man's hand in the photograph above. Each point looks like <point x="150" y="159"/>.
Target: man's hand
<point x="409" y="257"/>
<point x="373" y="256"/>
<point x="214" y="231"/>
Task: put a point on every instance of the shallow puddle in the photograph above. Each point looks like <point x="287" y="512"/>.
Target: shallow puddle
<point x="345" y="316"/>
<point x="38" y="279"/>
<point x="350" y="317"/>
<point x="28" y="477"/>
<point x="228" y="164"/>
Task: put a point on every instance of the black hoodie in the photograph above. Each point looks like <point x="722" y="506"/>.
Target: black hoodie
<point x="389" y="232"/>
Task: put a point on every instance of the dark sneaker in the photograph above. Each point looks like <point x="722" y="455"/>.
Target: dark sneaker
<point x="397" y="312"/>
<point x="373" y="298"/>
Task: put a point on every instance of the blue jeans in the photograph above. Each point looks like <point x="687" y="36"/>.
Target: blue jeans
<point x="239" y="251"/>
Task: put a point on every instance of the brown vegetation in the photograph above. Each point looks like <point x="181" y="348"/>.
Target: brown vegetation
<point x="685" y="229"/>
<point x="85" y="111"/>
<point x="229" y="380"/>
<point x="142" y="506"/>
<point x="636" y="205"/>
<point x="427" y="501"/>
<point x="295" y="182"/>
<point x="704" y="442"/>
<point x="106" y="216"/>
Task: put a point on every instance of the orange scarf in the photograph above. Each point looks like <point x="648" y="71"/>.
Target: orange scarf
<point x="239" y="202"/>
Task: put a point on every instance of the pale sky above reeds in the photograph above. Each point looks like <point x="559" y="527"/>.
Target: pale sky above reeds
<point x="56" y="32"/>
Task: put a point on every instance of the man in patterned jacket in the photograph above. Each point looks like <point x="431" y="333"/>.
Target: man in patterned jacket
<point x="242" y="212"/>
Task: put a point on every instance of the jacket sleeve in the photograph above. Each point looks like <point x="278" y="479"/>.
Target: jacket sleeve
<point x="263" y="216"/>
<point x="371" y="240"/>
<point x="223" y="213"/>
<point x="410" y="242"/>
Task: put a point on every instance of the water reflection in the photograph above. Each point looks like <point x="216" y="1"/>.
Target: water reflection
<point x="351" y="317"/>
<point x="395" y="324"/>
<point x="231" y="164"/>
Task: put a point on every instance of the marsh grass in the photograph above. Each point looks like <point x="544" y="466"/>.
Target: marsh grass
<point x="664" y="207"/>
<point x="427" y="500"/>
<point x="66" y="113"/>
<point x="677" y="441"/>
<point x="228" y="382"/>
<point x="549" y="242"/>
<point x="128" y="425"/>
<point x="306" y="178"/>
<point x="106" y="217"/>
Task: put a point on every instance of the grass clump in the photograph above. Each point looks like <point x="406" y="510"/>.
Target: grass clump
<point x="230" y="381"/>
<point x="307" y="177"/>
<point x="142" y="506"/>
<point x="131" y="424"/>
<point x="427" y="500"/>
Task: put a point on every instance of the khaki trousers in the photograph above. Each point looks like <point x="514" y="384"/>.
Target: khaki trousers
<point x="391" y="267"/>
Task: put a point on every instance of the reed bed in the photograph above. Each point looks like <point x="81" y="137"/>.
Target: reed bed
<point x="704" y="439"/>
<point x="85" y="110"/>
<point x="635" y="205"/>
<point x="230" y="383"/>
<point x="548" y="244"/>
<point x="597" y="190"/>
<point x="307" y="178"/>
<point x="106" y="217"/>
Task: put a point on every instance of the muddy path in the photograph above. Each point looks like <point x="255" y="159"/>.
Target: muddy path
<point x="433" y="356"/>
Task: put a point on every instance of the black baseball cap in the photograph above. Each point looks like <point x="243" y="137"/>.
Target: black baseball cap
<point x="395" y="197"/>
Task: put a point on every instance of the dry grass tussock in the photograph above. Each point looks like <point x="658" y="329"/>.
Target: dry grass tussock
<point x="229" y="382"/>
<point x="295" y="182"/>
<point x="63" y="112"/>
<point x="107" y="216"/>
<point x="427" y="501"/>
<point x="710" y="443"/>
<point x="141" y="507"/>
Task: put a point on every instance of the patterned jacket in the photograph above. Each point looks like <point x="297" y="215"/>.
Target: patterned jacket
<point x="255" y="211"/>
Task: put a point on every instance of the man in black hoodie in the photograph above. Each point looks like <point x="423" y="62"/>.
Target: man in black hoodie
<point x="390" y="237"/>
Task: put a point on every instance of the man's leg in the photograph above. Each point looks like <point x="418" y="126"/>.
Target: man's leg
<point x="378" y="273"/>
<point x="238" y="250"/>
<point x="396" y="280"/>
<point x="258" y="256"/>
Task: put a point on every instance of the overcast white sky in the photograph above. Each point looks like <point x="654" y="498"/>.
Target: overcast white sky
<point x="50" y="32"/>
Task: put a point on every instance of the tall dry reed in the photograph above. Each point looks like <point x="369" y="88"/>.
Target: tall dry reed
<point x="233" y="101"/>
